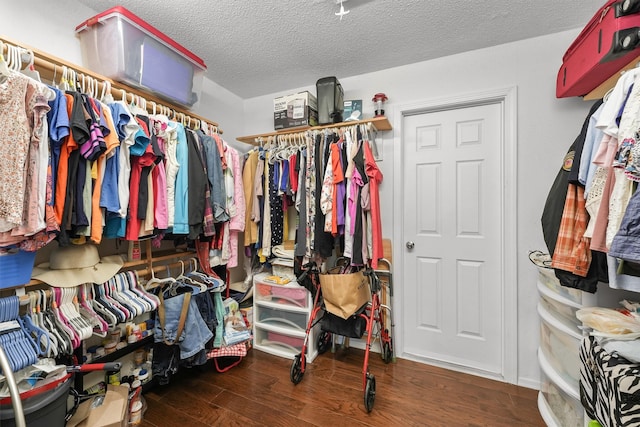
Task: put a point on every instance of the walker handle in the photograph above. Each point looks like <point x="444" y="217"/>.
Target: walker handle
<point x="89" y="367"/>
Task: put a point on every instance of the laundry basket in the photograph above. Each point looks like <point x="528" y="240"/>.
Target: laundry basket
<point x="42" y="407"/>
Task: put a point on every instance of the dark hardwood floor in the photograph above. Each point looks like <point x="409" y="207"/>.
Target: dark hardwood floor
<point x="259" y="392"/>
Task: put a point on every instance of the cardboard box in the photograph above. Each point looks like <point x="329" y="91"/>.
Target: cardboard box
<point x="350" y="106"/>
<point x="299" y="109"/>
<point x="113" y="412"/>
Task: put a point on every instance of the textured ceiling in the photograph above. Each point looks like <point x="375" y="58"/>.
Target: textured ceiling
<point x="257" y="47"/>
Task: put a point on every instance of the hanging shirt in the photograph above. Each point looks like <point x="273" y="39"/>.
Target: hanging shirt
<point x="138" y="163"/>
<point x="197" y="186"/>
<point x="160" y="208"/>
<point x="375" y="178"/>
<point x="58" y="130"/>
<point x="15" y="135"/>
<point x="172" y="166"/>
<point x="215" y="174"/>
<point x="237" y="222"/>
<point x="181" y="200"/>
<point x="109" y="193"/>
<point x="248" y="177"/>
<point x="127" y="129"/>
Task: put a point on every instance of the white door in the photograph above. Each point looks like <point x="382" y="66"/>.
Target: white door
<point x="452" y="281"/>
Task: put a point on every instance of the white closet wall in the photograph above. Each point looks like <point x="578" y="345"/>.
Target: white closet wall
<point x="546" y="128"/>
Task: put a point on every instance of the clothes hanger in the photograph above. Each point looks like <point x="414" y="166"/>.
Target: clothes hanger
<point x="110" y="296"/>
<point x="107" y="315"/>
<point x="60" y="323"/>
<point x="100" y="295"/>
<point x="136" y="287"/>
<point x="189" y="281"/>
<point x="120" y="291"/>
<point x="10" y="57"/>
<point x="61" y="343"/>
<point x="60" y="309"/>
<point x="155" y="282"/>
<point x="100" y="326"/>
<point x="30" y="70"/>
<point x="124" y="288"/>
<point x="70" y="304"/>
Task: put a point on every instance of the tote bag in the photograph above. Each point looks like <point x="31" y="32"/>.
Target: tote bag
<point x="344" y="293"/>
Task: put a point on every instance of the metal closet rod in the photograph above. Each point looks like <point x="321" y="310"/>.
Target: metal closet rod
<point x="51" y="67"/>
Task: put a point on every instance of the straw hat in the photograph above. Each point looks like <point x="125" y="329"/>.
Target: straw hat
<point x="77" y="264"/>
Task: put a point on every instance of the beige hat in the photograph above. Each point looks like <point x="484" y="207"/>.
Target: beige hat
<point x="77" y="264"/>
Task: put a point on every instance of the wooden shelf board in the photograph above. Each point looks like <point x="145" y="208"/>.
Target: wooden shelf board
<point x="381" y="124"/>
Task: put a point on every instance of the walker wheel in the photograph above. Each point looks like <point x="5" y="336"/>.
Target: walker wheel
<point x="324" y="342"/>
<point x="387" y="354"/>
<point x="370" y="392"/>
<point x="297" y="371"/>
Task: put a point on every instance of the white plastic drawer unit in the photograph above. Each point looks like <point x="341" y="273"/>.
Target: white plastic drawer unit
<point x="560" y="343"/>
<point x="560" y="307"/>
<point x="290" y="294"/>
<point x="559" y="400"/>
<point x="275" y="316"/>
<point x="278" y="341"/>
<point x="547" y="278"/>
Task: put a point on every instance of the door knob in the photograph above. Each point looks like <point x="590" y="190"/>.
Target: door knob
<point x="410" y="245"/>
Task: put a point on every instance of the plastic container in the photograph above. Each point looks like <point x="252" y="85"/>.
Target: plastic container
<point x="283" y="318"/>
<point x="290" y="294"/>
<point x="560" y="345"/>
<point x="562" y="401"/>
<point x="119" y="45"/>
<point x="16" y="266"/>
<point x="46" y="408"/>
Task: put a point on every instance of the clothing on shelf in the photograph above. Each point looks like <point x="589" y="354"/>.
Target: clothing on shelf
<point x="331" y="178"/>
<point x="596" y="228"/>
<point x="78" y="166"/>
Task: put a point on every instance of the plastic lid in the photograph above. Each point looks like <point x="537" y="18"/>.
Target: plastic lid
<point x="137" y="406"/>
<point x="143" y="375"/>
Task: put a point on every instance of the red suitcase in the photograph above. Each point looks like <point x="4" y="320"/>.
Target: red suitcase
<point x="606" y="44"/>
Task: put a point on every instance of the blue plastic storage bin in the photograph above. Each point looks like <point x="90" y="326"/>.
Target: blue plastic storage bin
<point x="15" y="267"/>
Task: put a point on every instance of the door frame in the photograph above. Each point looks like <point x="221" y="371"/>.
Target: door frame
<point x="507" y="98"/>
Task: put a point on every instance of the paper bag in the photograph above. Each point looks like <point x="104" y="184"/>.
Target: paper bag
<point x="345" y="293"/>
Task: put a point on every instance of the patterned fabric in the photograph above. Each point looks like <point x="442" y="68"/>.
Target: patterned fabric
<point x="572" y="251"/>
<point x="14" y="146"/>
<point x="275" y="208"/>
<point x="236" y="350"/>
<point x="310" y="193"/>
<point x="619" y="199"/>
<point x="609" y="386"/>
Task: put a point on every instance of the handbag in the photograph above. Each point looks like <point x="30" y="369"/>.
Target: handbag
<point x="352" y="327"/>
<point x="344" y="293"/>
<point x="609" y="386"/>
